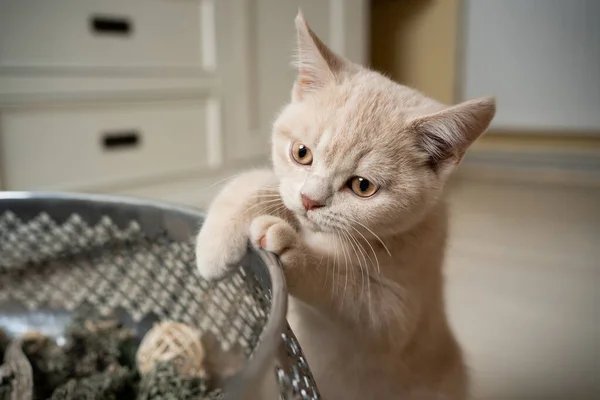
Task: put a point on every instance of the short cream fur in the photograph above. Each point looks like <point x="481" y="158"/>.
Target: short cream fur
<point x="364" y="273"/>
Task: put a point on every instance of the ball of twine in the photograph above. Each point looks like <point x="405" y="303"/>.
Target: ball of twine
<point x="172" y="342"/>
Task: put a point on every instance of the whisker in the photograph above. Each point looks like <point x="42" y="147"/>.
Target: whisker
<point x="260" y="196"/>
<point x="345" y="271"/>
<point x="373" y="233"/>
<point x="276" y="209"/>
<point x="268" y="189"/>
<point x="326" y="270"/>
<point x="327" y="275"/>
<point x="223" y="180"/>
<point x="343" y="232"/>
<point x="281" y="211"/>
<point x="372" y="249"/>
<point x="364" y="252"/>
<point x="349" y="236"/>
<point x="262" y="203"/>
<point x="362" y="273"/>
<point x="335" y="264"/>
<point x="362" y="286"/>
<point x="269" y="186"/>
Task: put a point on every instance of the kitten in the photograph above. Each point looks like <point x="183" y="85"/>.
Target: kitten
<point x="354" y="210"/>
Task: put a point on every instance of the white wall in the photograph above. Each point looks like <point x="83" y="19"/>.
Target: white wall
<point x="541" y="58"/>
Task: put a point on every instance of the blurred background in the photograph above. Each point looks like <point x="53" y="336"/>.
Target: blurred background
<point x="164" y="99"/>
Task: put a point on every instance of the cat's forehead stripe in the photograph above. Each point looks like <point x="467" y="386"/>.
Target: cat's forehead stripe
<point x="324" y="139"/>
<point x="342" y="153"/>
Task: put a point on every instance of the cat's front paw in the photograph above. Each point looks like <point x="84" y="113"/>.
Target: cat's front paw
<point x="274" y="235"/>
<point x="219" y="250"/>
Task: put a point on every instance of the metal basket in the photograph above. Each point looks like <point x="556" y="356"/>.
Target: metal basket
<point x="60" y="252"/>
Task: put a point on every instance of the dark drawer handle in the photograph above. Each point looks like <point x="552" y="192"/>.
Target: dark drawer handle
<point x="113" y="141"/>
<point x="106" y="25"/>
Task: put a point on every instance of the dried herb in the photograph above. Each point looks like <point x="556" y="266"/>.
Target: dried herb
<point x="112" y="384"/>
<point x="50" y="365"/>
<point x="98" y="362"/>
<point x="95" y="344"/>
<point x="165" y="383"/>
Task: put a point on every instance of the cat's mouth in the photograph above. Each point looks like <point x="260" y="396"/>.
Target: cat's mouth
<point x="307" y="220"/>
<point x="316" y="221"/>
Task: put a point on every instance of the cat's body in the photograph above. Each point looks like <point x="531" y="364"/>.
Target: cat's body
<point x="411" y="360"/>
<point x="354" y="210"/>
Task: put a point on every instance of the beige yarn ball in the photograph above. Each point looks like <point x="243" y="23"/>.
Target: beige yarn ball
<point x="172" y="342"/>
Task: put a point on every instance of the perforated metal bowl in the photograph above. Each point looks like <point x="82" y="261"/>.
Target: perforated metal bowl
<point x="59" y="252"/>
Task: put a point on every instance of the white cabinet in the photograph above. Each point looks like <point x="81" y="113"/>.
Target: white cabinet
<point x="150" y="97"/>
<point x="102" y="34"/>
<point x="79" y="146"/>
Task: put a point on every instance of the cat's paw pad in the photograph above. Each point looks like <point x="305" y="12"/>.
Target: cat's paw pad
<point x="272" y="234"/>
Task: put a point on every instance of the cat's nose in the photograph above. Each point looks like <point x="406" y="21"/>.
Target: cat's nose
<point x="309" y="203"/>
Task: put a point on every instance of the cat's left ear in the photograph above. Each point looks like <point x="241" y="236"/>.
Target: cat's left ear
<point x="446" y="135"/>
<point x="317" y="65"/>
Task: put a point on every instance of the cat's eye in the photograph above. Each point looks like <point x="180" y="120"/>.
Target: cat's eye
<point x="362" y="187"/>
<point x="301" y="154"/>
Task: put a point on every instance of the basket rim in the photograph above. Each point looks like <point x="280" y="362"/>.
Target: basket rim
<point x="264" y="354"/>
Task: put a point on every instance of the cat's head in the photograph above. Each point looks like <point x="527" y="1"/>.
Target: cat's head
<point x="355" y="148"/>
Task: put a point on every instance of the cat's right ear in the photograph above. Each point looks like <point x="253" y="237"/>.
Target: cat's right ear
<point x="446" y="135"/>
<point x="317" y="65"/>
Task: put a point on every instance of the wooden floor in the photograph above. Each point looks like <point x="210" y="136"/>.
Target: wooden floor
<point x="523" y="281"/>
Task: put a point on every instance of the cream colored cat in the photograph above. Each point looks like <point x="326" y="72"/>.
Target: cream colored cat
<point x="354" y="209"/>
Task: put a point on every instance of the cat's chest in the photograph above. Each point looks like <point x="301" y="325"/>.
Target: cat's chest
<point x="337" y="360"/>
<point x="321" y="339"/>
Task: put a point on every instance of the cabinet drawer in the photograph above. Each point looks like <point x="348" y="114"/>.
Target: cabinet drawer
<point x="70" y="148"/>
<point x="107" y="33"/>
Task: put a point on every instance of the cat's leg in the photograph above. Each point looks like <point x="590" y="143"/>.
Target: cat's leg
<point x="223" y="238"/>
